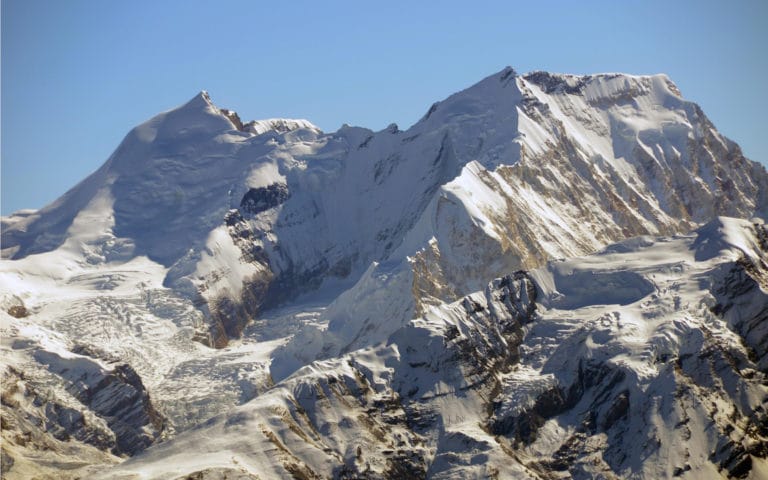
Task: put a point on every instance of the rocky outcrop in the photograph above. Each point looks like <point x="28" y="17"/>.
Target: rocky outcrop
<point x="34" y="420"/>
<point x="741" y="293"/>
<point x="598" y="379"/>
<point x="116" y="395"/>
<point x="219" y="474"/>
<point x="257" y="200"/>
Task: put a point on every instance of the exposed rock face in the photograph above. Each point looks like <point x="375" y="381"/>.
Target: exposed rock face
<point x="229" y="312"/>
<point x="36" y="427"/>
<point x="219" y="474"/>
<point x="229" y="316"/>
<point x="102" y="414"/>
<point x="558" y="400"/>
<point x="742" y="299"/>
<point x="257" y="200"/>
<point x="117" y="396"/>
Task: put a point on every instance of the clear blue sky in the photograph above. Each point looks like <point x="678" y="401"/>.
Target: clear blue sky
<point x="77" y="75"/>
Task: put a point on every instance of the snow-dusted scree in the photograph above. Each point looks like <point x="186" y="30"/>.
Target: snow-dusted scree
<point x="264" y="300"/>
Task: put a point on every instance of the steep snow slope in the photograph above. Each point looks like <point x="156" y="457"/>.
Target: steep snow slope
<point x="280" y="245"/>
<point x="646" y="370"/>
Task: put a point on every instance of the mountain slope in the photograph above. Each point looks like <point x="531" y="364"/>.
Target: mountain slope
<point x="647" y="370"/>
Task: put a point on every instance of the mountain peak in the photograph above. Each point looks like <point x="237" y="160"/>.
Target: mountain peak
<point x="201" y="100"/>
<point x="507" y="72"/>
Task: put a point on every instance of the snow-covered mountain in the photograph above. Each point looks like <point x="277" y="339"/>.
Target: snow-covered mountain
<point x="211" y="264"/>
<point x="621" y="364"/>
